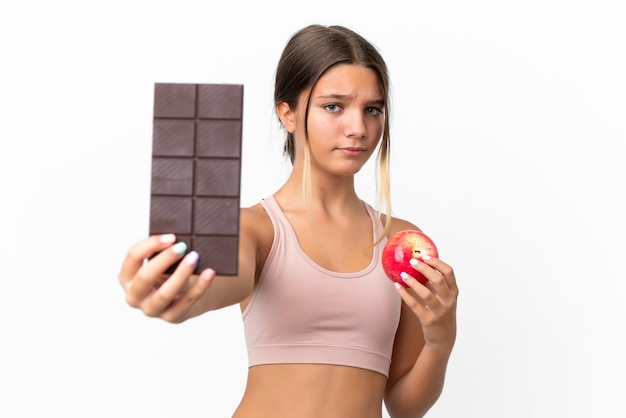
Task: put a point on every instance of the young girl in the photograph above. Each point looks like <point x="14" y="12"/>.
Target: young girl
<point x="328" y="334"/>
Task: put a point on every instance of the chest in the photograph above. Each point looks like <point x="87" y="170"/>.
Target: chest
<point x="342" y="247"/>
<point x="301" y="299"/>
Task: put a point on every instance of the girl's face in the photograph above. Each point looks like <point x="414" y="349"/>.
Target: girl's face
<point x="345" y="120"/>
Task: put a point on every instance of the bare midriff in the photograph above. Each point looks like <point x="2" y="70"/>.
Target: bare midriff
<point x="311" y="391"/>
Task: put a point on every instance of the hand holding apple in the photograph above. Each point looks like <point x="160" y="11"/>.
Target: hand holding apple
<point x="401" y="248"/>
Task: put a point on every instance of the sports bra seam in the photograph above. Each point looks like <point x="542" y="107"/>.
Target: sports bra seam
<point x="350" y="347"/>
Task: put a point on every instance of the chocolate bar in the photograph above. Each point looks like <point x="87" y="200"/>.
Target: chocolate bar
<point x="196" y="169"/>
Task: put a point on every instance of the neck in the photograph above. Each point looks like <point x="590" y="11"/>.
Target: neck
<point x="328" y="192"/>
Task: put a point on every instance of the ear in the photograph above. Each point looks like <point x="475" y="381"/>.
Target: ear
<point x="286" y="116"/>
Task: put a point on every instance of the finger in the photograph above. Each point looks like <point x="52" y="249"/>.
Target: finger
<point x="424" y="292"/>
<point x="446" y="271"/>
<point x="150" y="274"/>
<point x="441" y="281"/>
<point x="158" y="300"/>
<point x="411" y="297"/>
<point x="179" y="280"/>
<point x="139" y="252"/>
<point x="434" y="279"/>
<point x="180" y="307"/>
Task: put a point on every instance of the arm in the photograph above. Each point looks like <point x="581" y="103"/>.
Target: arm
<point x="183" y="295"/>
<point x="424" y="340"/>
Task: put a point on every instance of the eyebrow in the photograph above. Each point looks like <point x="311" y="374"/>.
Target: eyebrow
<point x="347" y="96"/>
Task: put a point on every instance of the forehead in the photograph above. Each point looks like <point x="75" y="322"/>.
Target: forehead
<point x="349" y="79"/>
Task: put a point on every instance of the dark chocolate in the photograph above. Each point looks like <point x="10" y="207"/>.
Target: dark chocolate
<point x="196" y="169"/>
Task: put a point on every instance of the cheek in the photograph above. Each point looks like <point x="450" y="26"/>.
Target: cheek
<point x="376" y="128"/>
<point x="320" y="127"/>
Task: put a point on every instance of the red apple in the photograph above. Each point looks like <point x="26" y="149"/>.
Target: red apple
<point x="401" y="248"/>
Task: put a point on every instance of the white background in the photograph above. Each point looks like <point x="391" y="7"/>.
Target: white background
<point x="508" y="136"/>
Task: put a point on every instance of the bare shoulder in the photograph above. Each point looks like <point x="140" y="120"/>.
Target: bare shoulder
<point x="398" y="224"/>
<point x="257" y="228"/>
<point x="254" y="214"/>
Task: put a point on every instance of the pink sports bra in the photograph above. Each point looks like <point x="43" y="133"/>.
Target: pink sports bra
<point x="301" y="312"/>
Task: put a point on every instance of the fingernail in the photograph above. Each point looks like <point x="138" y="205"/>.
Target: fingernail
<point x="404" y="276"/>
<point x="192" y="258"/>
<point x="180" y="248"/>
<point x="414" y="262"/>
<point x="207" y="275"/>
<point x="167" y="238"/>
<point x="426" y="257"/>
<point x="397" y="285"/>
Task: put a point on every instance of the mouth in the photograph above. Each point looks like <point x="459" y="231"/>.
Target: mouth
<point x="352" y="148"/>
<point x="352" y="151"/>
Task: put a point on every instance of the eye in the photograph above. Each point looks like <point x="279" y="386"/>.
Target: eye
<point x="373" y="111"/>
<point x="332" y="107"/>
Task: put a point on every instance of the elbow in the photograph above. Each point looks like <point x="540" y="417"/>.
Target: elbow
<point x="415" y="407"/>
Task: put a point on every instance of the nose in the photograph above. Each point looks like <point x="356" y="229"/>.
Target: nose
<point x="355" y="126"/>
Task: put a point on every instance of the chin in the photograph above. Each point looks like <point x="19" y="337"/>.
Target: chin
<point x="347" y="170"/>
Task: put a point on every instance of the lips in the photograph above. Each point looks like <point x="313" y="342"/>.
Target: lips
<point x="352" y="151"/>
